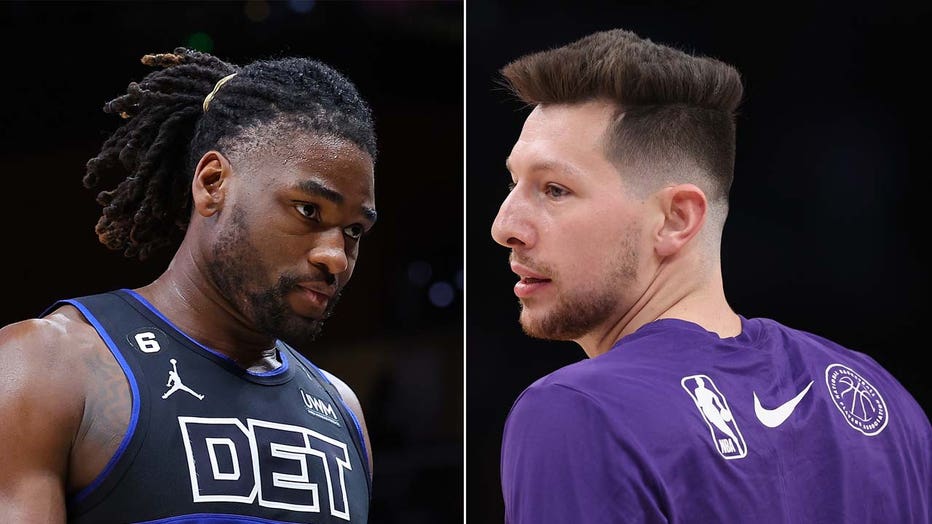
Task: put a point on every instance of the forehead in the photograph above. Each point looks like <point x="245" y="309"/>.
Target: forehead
<point x="565" y="132"/>
<point x="332" y="161"/>
<point x="564" y="137"/>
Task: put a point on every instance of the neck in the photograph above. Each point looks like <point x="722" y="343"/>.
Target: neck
<point x="188" y="298"/>
<point x="694" y="296"/>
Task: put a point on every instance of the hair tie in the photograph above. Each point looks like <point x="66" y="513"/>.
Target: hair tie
<point x="220" y="83"/>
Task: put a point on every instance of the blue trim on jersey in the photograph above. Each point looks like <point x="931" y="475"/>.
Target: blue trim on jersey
<point x="362" y="438"/>
<point x="150" y="307"/>
<point x="215" y="518"/>
<point x="134" y="418"/>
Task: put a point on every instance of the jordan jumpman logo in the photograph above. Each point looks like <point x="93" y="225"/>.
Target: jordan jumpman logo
<point x="174" y="382"/>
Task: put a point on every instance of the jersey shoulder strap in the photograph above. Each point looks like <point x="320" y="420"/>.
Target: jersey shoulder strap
<point x="357" y="436"/>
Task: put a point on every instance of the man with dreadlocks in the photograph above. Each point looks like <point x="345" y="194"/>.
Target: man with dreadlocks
<point x="184" y="400"/>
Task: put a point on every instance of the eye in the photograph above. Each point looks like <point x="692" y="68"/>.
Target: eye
<point x="555" y="191"/>
<point x="308" y="211"/>
<point x="354" y="231"/>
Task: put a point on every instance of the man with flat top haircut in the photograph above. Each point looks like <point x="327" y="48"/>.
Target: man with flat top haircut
<point x="186" y="400"/>
<point x="685" y="410"/>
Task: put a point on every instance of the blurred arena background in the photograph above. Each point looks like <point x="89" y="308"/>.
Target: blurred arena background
<point x="397" y="336"/>
<point x="827" y="228"/>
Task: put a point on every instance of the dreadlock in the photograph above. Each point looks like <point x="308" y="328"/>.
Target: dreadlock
<point x="149" y="160"/>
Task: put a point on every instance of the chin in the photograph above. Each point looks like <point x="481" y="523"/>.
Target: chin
<point x="291" y="328"/>
<point x="298" y="340"/>
<point x="563" y="324"/>
<point x="534" y="326"/>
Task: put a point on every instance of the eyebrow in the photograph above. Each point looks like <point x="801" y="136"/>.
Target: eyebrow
<point x="547" y="165"/>
<point x="314" y="187"/>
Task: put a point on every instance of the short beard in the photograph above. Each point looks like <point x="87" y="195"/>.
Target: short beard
<point x="272" y="315"/>
<point x="571" y="318"/>
<point x="236" y="268"/>
<point x="581" y="311"/>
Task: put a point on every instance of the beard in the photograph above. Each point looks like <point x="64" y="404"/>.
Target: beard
<point x="581" y="310"/>
<point x="237" y="269"/>
<point x="575" y="314"/>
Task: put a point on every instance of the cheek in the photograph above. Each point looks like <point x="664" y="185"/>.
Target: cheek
<point x="590" y="246"/>
<point x="277" y="253"/>
<point x="586" y="242"/>
<point x="271" y="245"/>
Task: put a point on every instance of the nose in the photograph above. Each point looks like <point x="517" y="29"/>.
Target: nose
<point x="512" y="227"/>
<point x="329" y="251"/>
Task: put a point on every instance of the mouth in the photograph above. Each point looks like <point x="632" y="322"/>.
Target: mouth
<point x="530" y="281"/>
<point x="311" y="299"/>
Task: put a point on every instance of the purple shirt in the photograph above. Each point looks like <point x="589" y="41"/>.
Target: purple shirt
<point x="674" y="424"/>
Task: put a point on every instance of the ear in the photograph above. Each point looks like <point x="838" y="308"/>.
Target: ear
<point x="209" y="187"/>
<point x="684" y="208"/>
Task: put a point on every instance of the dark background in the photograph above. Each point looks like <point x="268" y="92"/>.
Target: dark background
<point x="400" y="349"/>
<point x="829" y="216"/>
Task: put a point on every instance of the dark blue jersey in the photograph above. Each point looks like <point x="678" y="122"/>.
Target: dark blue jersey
<point x="210" y="442"/>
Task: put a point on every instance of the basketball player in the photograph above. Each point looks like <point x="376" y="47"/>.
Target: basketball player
<point x="685" y="410"/>
<point x="261" y="179"/>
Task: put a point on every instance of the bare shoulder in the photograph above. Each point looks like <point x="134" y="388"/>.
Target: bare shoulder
<point x="345" y="391"/>
<point x="44" y="350"/>
<point x="41" y="365"/>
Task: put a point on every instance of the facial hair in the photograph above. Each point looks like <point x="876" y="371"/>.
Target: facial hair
<point x="237" y="269"/>
<point x="581" y="310"/>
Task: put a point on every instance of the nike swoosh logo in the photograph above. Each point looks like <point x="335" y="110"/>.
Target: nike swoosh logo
<point x="774" y="417"/>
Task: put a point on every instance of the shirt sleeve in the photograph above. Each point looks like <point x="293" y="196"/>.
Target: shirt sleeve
<point x="564" y="461"/>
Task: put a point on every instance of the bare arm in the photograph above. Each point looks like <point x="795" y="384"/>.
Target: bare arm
<point x="353" y="402"/>
<point x="64" y="407"/>
<point x="41" y="405"/>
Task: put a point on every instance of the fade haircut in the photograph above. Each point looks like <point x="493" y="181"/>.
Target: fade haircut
<point x="672" y="109"/>
<point x="148" y="162"/>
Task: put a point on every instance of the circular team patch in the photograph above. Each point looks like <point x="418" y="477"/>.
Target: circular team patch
<point x="857" y="399"/>
<point x="147" y="339"/>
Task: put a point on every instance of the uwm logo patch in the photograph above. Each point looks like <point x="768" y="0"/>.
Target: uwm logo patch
<point x="266" y="463"/>
<point x="319" y="408"/>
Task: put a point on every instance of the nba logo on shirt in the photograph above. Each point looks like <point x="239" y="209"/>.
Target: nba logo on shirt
<point x="726" y="437"/>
